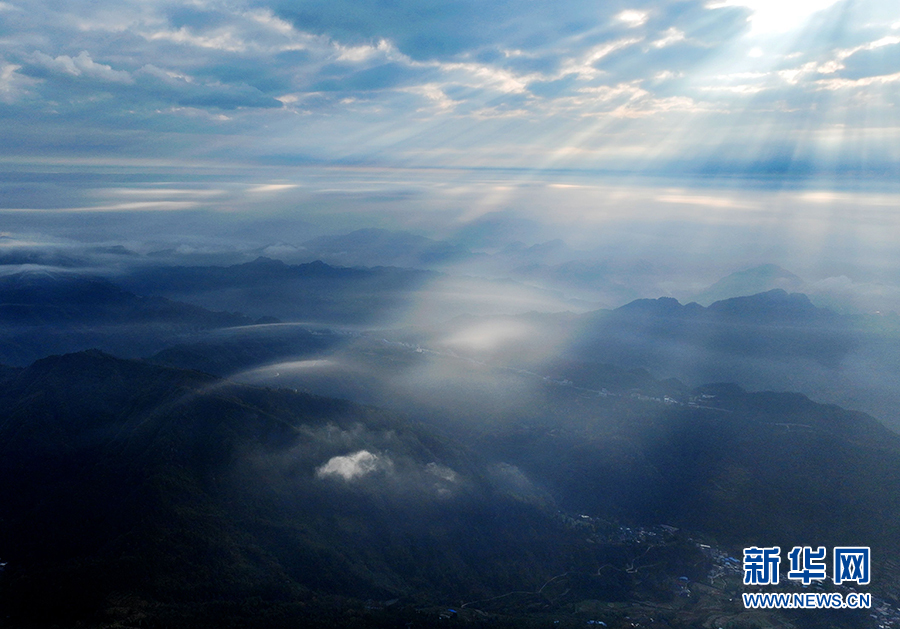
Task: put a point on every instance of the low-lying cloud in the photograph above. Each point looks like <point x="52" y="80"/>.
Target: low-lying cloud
<point x="353" y="466"/>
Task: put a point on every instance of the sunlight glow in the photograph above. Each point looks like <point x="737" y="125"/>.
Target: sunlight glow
<point x="775" y="16"/>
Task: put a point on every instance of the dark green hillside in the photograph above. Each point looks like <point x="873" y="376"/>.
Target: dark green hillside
<point x="744" y="467"/>
<point x="123" y="479"/>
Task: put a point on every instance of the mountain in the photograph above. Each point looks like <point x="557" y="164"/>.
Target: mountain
<point x="758" y="279"/>
<point x="266" y="287"/>
<point x="332" y="295"/>
<point x="771" y="341"/>
<point x="382" y="247"/>
<point x="771" y="307"/>
<point x="551" y="265"/>
<point x="42" y="313"/>
<point x="134" y="492"/>
<point x="171" y="490"/>
<point x="596" y="280"/>
<point x="719" y="342"/>
<point x="227" y="352"/>
<point x="43" y="297"/>
<point x="496" y="230"/>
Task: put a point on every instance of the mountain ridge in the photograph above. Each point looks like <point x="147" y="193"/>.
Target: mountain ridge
<point x="751" y="281"/>
<point x="772" y="306"/>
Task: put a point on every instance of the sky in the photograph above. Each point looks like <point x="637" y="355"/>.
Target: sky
<point x="709" y="86"/>
<point x="283" y="120"/>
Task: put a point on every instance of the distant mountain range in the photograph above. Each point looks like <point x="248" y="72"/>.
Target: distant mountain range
<point x="493" y="248"/>
<point x="751" y="281"/>
<point x="382" y="247"/>
<point x="325" y="294"/>
<point x="42" y="298"/>
<point x="44" y="312"/>
<point x="769" y="341"/>
<point x="592" y="275"/>
<point x="756" y="340"/>
<point x="772" y="340"/>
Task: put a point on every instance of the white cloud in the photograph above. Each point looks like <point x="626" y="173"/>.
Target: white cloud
<point x="701" y="200"/>
<point x="221" y="39"/>
<point x="435" y="95"/>
<point x="632" y="18"/>
<point x="606" y="93"/>
<point x="671" y="36"/>
<point x="351" y="466"/>
<point x="442" y="472"/>
<point x="830" y="67"/>
<point x="269" y="20"/>
<point x="652" y="106"/>
<point x="839" y="84"/>
<point x="272" y="187"/>
<point x="12" y="84"/>
<point x="142" y="206"/>
<point x="890" y="40"/>
<point x="167" y="75"/>
<point x="665" y="75"/>
<point x="793" y="75"/>
<point x="584" y="64"/>
<point x="82" y="65"/>
<point x="488" y="77"/>
<point x="363" y="53"/>
<point x="744" y="89"/>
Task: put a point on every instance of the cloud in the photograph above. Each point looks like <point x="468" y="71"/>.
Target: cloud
<point x="633" y="18"/>
<point x="442" y="471"/>
<point x="447" y="83"/>
<point x="13" y="85"/>
<point x="223" y="39"/>
<point x="82" y="65"/>
<point x="671" y="36"/>
<point x="400" y="475"/>
<point x="840" y="84"/>
<point x="352" y="466"/>
<point x="512" y="481"/>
